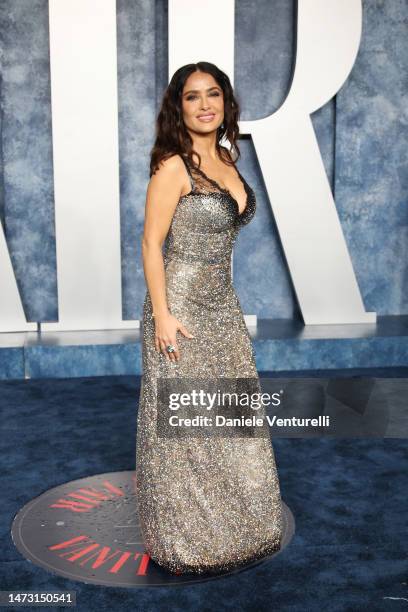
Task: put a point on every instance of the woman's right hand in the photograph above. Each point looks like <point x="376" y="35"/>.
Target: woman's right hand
<point x="166" y="328"/>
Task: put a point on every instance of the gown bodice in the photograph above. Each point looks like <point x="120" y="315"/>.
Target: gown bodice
<point x="207" y="220"/>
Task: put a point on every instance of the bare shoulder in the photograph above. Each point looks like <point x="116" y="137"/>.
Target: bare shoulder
<point x="166" y="184"/>
<point x="169" y="169"/>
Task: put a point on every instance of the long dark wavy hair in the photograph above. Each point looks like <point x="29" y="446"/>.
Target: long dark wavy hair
<point x="171" y="135"/>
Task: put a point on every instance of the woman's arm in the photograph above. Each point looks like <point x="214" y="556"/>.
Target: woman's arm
<point x="163" y="193"/>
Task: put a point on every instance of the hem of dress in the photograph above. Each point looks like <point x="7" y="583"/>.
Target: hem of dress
<point x="210" y="569"/>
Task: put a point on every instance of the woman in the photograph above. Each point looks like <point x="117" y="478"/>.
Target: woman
<point x="204" y="505"/>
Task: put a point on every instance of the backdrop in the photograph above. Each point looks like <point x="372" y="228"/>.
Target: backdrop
<point x="362" y="134"/>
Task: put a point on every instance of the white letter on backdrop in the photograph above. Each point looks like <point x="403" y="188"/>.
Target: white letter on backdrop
<point x="328" y="38"/>
<point x="83" y="56"/>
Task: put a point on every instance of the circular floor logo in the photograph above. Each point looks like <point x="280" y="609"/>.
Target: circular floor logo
<point x="87" y="530"/>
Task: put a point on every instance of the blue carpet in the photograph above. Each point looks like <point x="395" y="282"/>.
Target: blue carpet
<point x="348" y="497"/>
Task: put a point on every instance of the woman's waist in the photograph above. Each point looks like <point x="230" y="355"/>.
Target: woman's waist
<point x="198" y="279"/>
<point x="200" y="261"/>
<point x="194" y="296"/>
<point x="189" y="264"/>
<point x="207" y="249"/>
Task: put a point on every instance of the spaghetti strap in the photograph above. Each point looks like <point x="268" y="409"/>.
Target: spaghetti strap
<point x="188" y="172"/>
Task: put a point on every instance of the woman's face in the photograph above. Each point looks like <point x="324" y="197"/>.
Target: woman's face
<point x="202" y="103"/>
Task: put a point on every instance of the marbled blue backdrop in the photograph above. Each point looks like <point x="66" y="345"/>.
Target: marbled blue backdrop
<point x="362" y="133"/>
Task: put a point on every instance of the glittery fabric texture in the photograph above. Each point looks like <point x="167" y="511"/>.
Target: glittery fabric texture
<point x="208" y="504"/>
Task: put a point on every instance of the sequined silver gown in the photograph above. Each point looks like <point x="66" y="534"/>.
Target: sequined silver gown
<point x="204" y="505"/>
